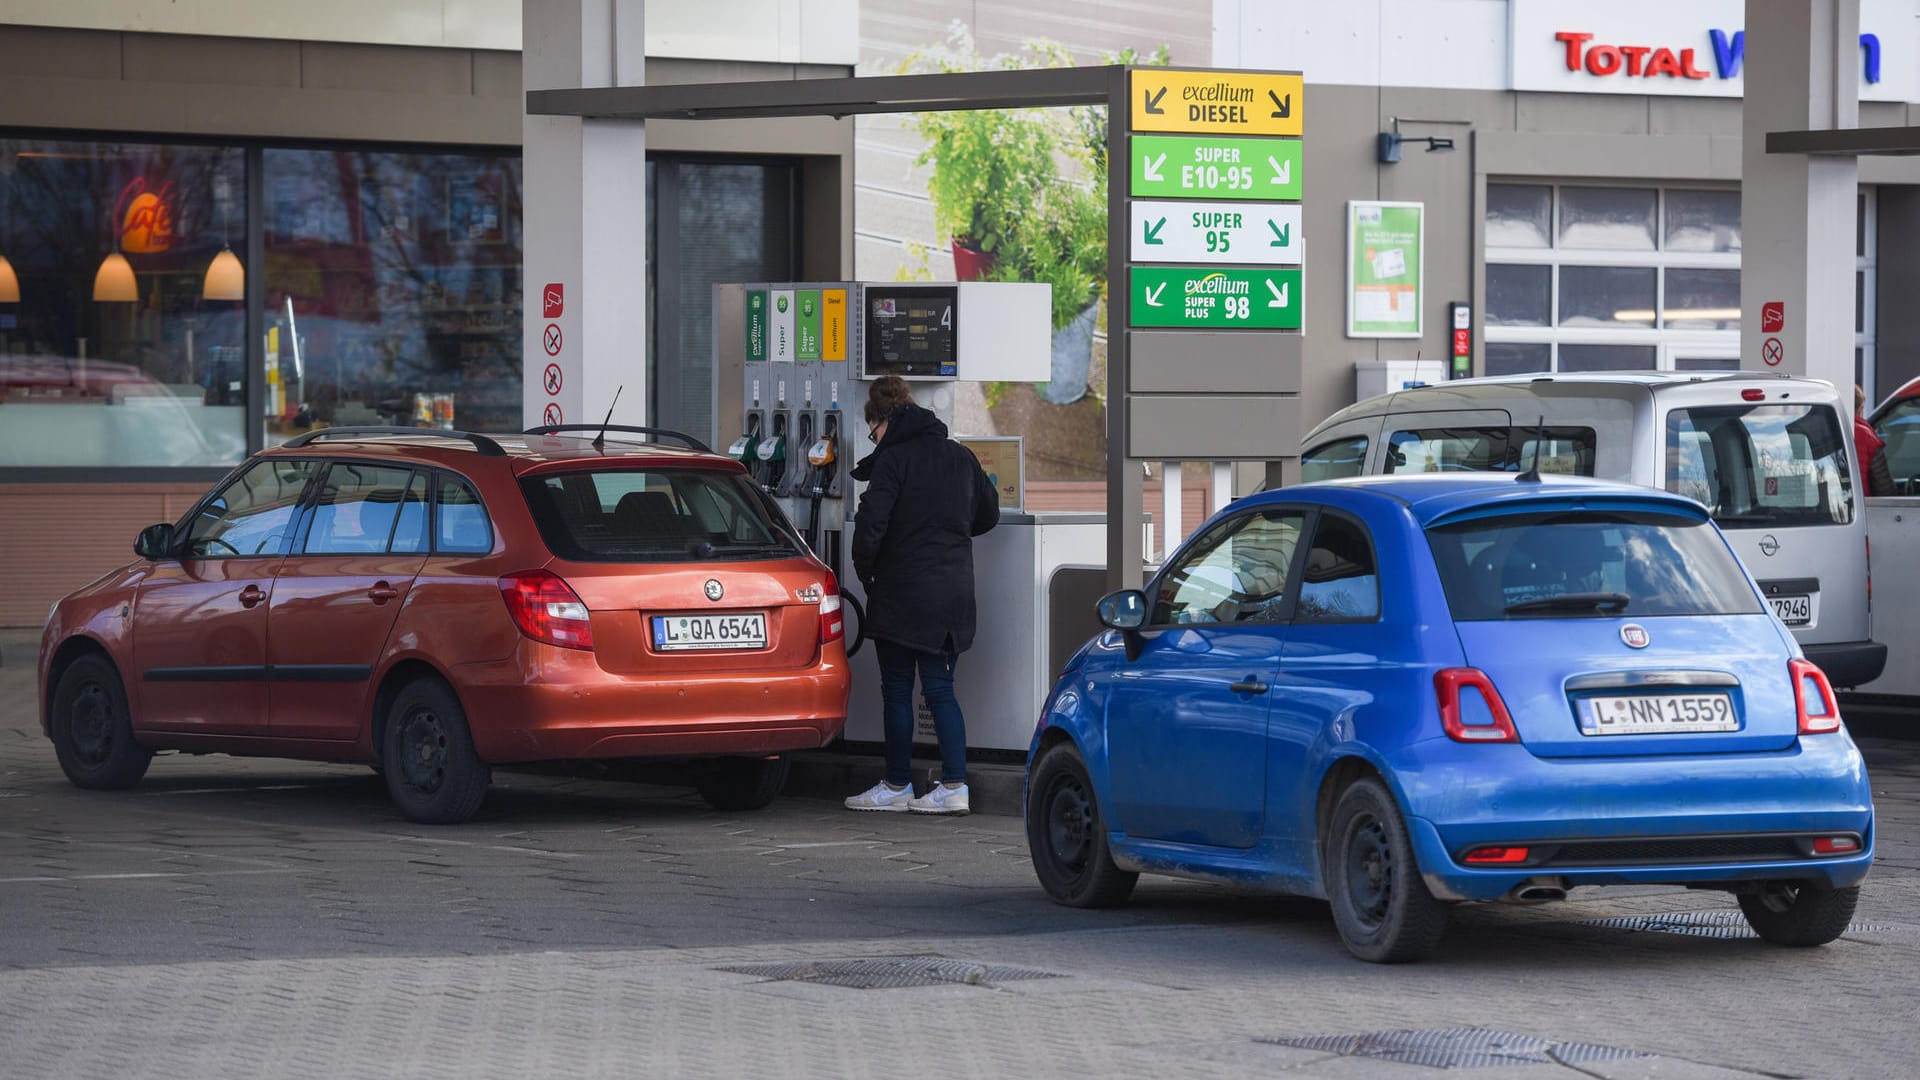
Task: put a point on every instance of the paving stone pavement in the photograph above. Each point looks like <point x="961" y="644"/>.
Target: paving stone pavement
<point x="234" y="918"/>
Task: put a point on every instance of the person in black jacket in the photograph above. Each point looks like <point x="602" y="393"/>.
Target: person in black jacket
<point x="926" y="499"/>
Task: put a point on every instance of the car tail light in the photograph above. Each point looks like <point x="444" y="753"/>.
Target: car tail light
<point x="833" y="625"/>
<point x="1494" y="856"/>
<point x="1753" y="395"/>
<point x="546" y="609"/>
<point x="1835" y="845"/>
<point x="1470" y="708"/>
<point x="1813" y="698"/>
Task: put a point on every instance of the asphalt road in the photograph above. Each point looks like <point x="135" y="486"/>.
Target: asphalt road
<point x="267" y="919"/>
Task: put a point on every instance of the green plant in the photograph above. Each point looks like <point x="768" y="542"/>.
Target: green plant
<point x="1026" y="186"/>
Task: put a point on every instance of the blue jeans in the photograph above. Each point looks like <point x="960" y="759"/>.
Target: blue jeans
<point x="897" y="664"/>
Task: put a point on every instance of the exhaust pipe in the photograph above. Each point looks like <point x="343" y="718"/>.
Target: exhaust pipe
<point x="1537" y="891"/>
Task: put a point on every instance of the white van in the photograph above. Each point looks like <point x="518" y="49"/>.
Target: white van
<point x="1769" y="456"/>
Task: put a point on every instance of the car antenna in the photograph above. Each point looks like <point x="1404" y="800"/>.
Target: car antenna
<point x="1532" y="475"/>
<point x="600" y="440"/>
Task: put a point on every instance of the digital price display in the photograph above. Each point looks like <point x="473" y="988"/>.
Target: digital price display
<point x="910" y="331"/>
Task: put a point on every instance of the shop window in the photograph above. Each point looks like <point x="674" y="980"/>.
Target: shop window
<point x="1518" y="357"/>
<point x="1701" y="299"/>
<point x="1618" y="219"/>
<point x="1703" y="221"/>
<point x="1519" y="215"/>
<point x="1519" y="295"/>
<point x="1607" y="296"/>
<point x="1608" y="357"/>
<point x="393" y="290"/>
<point x="118" y="350"/>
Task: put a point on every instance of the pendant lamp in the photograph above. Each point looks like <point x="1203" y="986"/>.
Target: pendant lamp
<point x="226" y="278"/>
<point x="114" y="283"/>
<point x="9" y="283"/>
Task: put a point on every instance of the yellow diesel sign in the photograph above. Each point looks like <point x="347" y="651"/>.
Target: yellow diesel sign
<point x="1217" y="102"/>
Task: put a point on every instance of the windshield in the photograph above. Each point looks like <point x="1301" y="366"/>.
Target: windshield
<point x="654" y="515"/>
<point x="1582" y="563"/>
<point x="1761" y="466"/>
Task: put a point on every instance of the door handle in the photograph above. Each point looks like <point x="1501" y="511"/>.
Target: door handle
<point x="251" y="595"/>
<point x="382" y="592"/>
<point x="1249" y="685"/>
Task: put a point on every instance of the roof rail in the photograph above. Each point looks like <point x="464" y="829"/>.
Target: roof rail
<point x="487" y="447"/>
<point x="686" y="440"/>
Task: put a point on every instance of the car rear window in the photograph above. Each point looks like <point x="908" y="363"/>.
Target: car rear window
<point x="1761" y="466"/>
<point x="1588" y="564"/>
<point x="1564" y="450"/>
<point x="654" y="515"/>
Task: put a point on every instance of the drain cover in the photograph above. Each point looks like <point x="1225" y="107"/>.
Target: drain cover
<point x="1713" y="924"/>
<point x="1458" y="1048"/>
<point x="887" y="972"/>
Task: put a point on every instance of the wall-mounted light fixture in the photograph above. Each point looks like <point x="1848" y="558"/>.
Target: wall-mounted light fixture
<point x="1390" y="141"/>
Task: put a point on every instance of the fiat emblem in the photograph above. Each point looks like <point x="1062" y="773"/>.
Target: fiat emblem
<point x="1769" y="546"/>
<point x="714" y="591"/>
<point x="1635" y="636"/>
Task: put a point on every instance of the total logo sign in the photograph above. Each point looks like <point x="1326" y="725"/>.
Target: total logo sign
<point x="1695" y="49"/>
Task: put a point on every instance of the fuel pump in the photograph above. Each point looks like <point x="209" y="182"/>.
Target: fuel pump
<point x="772" y="455"/>
<point x="822" y="459"/>
<point x="746" y="448"/>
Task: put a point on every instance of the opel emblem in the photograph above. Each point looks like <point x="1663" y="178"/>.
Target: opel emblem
<point x="714" y="591"/>
<point x="1769" y="546"/>
<point x="1635" y="636"/>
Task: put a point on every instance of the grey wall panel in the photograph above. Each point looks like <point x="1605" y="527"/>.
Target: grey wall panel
<point x="1205" y="427"/>
<point x="1598" y="114"/>
<point x="1693" y="116"/>
<point x="1626" y="157"/>
<point x="168" y="58"/>
<point x="1220" y="362"/>
<point x="332" y="66"/>
<point x="37" y="52"/>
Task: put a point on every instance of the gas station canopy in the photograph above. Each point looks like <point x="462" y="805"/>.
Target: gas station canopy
<point x="1026" y="88"/>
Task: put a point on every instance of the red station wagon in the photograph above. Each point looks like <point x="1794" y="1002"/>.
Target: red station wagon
<point x="435" y="603"/>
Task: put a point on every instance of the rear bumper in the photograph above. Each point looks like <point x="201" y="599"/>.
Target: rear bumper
<point x="550" y="704"/>
<point x="1457" y="801"/>
<point x="1849" y="663"/>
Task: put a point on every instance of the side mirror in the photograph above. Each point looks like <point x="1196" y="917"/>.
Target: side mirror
<point x="155" y="542"/>
<point x="1123" y="610"/>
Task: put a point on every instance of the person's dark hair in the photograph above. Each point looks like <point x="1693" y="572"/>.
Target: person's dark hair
<point x="888" y="393"/>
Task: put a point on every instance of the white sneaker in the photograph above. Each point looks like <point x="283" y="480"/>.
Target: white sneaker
<point x="882" y="797"/>
<point x="941" y="800"/>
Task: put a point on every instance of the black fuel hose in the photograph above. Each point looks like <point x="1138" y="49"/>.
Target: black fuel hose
<point x="858" y="636"/>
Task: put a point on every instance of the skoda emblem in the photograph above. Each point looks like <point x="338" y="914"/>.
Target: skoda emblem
<point x="1769" y="546"/>
<point x="1635" y="636"/>
<point x="714" y="591"/>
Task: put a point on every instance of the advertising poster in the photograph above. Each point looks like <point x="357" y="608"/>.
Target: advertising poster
<point x="1383" y="269"/>
<point x="1002" y="459"/>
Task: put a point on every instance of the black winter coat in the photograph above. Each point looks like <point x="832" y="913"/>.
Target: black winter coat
<point x="926" y="499"/>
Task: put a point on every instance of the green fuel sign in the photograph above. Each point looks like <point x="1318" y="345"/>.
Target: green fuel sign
<point x="1224" y="298"/>
<point x="1215" y="167"/>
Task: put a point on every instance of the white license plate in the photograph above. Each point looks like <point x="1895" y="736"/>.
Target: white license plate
<point x="1656" y="714"/>
<point x="1792" y="610"/>
<point x="748" y="631"/>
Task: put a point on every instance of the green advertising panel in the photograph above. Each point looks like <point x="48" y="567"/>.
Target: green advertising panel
<point x="807" y="325"/>
<point x="1220" y="298"/>
<point x="1215" y="167"/>
<point x="1383" y="269"/>
<point x="756" y="324"/>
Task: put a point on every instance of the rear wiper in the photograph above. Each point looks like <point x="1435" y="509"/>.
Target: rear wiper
<point x="1579" y="601"/>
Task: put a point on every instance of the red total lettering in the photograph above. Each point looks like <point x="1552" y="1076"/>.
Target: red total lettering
<point x="1603" y="59"/>
<point x="1686" y="65"/>
<point x="1664" y="63"/>
<point x="1574" y="41"/>
<point x="1634" y="54"/>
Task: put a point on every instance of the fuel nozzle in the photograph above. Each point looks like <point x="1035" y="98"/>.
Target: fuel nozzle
<point x="772" y="452"/>
<point x="746" y="448"/>
<point x="820" y="458"/>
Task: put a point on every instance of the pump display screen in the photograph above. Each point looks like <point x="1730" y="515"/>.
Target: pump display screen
<point x="910" y="331"/>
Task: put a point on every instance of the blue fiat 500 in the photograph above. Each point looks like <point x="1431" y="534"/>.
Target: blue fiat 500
<point x="1400" y="693"/>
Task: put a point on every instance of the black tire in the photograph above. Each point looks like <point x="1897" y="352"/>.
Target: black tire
<point x="1067" y="837"/>
<point x="1799" y="913"/>
<point x="92" y="727"/>
<point x="433" y="773"/>
<point x="738" y="783"/>
<point x="1381" y="906"/>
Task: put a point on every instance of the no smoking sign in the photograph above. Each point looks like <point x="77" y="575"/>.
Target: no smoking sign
<point x="550" y="339"/>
